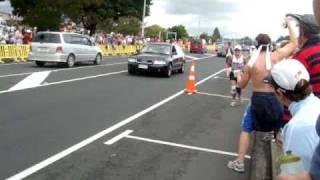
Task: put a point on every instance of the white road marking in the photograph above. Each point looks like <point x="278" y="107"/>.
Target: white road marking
<point x="67" y="81"/>
<point x="118" y="137"/>
<point x="219" y="95"/>
<point x="219" y="77"/>
<point x="184" y="146"/>
<point x="192" y="57"/>
<point x="32" y="81"/>
<point x="27" y="172"/>
<point x="8" y="64"/>
<point x="65" y="69"/>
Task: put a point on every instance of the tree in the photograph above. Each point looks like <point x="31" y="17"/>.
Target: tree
<point x="216" y="35"/>
<point x="130" y="25"/>
<point x="38" y="13"/>
<point x="180" y="30"/>
<point x="205" y="36"/>
<point x="48" y="13"/>
<point x="155" y="30"/>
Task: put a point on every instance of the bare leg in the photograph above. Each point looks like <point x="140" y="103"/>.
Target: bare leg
<point x="243" y="145"/>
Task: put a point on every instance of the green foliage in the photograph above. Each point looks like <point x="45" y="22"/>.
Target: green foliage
<point x="216" y="36"/>
<point x="154" y="30"/>
<point x="131" y="25"/>
<point x="47" y="14"/>
<point x="205" y="36"/>
<point x="180" y="30"/>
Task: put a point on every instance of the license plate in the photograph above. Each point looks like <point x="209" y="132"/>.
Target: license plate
<point x="43" y="49"/>
<point x="142" y="66"/>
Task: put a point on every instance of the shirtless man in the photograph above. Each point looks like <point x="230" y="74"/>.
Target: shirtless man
<point x="265" y="110"/>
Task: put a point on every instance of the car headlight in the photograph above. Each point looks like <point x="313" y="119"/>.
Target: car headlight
<point x="132" y="60"/>
<point x="158" y="62"/>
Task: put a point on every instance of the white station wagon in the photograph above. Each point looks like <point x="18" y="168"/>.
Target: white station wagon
<point x="62" y="47"/>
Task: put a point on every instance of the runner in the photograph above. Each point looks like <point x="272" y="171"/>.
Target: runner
<point x="237" y="65"/>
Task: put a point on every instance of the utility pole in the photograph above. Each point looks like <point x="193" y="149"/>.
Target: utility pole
<point x="143" y="16"/>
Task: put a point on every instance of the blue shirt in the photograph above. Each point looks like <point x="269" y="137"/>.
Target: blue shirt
<point x="299" y="135"/>
<point x="315" y="164"/>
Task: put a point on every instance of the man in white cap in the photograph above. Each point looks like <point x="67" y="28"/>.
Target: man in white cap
<point x="293" y="89"/>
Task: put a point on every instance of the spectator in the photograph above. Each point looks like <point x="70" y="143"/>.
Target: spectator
<point x="265" y="112"/>
<point x="229" y="51"/>
<point x="309" y="53"/>
<point x="27" y="37"/>
<point x="293" y="89"/>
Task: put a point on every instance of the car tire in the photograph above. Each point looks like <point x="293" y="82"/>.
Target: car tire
<point x="169" y="71"/>
<point x="182" y="69"/>
<point x="71" y="60"/>
<point x="40" y="63"/>
<point x="131" y="70"/>
<point x="98" y="59"/>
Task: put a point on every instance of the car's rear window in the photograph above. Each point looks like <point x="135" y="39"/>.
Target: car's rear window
<point x="47" y="38"/>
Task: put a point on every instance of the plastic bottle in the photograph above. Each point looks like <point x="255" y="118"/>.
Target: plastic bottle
<point x="290" y="164"/>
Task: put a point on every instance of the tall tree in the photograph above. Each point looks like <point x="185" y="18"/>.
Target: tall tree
<point x="216" y="35"/>
<point x="48" y="13"/>
<point x="180" y="30"/>
<point x="130" y="25"/>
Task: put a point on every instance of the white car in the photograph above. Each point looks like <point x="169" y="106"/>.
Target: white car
<point x="63" y="47"/>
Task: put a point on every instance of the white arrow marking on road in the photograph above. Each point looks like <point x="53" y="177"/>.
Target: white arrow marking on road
<point x="34" y="80"/>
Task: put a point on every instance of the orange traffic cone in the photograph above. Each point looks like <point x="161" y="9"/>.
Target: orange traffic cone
<point x="191" y="83"/>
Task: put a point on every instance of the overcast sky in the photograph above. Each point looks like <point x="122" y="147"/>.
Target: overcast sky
<point x="234" y="18"/>
<point x="5" y="7"/>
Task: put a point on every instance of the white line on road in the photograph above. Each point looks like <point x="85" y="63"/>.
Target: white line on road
<point x="8" y="64"/>
<point x="118" y="137"/>
<point x="224" y="78"/>
<point x="67" y="81"/>
<point x="219" y="95"/>
<point x="65" y="69"/>
<point x="184" y="146"/>
<point x="27" y="172"/>
<point x="32" y="81"/>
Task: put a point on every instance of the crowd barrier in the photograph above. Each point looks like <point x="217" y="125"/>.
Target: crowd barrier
<point x="15" y="53"/>
<point x="20" y="53"/>
<point x="211" y="48"/>
<point x="108" y="50"/>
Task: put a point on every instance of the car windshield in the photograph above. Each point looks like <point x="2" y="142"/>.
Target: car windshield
<point x="157" y="49"/>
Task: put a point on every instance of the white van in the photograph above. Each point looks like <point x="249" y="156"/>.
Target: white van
<point x="62" y="47"/>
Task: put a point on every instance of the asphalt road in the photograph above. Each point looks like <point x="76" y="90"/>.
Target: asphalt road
<point x="57" y="130"/>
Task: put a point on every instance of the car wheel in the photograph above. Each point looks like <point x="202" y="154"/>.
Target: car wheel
<point x="71" y="61"/>
<point x="131" y="70"/>
<point x="40" y="63"/>
<point x="182" y="69"/>
<point x="98" y="59"/>
<point x="168" y="73"/>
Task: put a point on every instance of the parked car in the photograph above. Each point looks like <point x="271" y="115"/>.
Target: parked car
<point x="62" y="47"/>
<point x="162" y="58"/>
<point x="197" y="46"/>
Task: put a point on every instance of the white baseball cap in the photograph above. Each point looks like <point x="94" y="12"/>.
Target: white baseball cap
<point x="286" y="74"/>
<point x="238" y="47"/>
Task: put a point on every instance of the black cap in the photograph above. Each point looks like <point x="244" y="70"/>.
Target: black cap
<point x="308" y="21"/>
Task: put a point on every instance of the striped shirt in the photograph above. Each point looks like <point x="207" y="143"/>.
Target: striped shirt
<point x="309" y="56"/>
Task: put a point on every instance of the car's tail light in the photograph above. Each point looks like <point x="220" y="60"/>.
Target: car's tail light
<point x="59" y="49"/>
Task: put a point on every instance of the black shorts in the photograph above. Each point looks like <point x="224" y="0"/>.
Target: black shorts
<point x="232" y="77"/>
<point x="267" y="112"/>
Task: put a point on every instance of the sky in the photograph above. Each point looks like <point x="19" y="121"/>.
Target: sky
<point x="234" y="18"/>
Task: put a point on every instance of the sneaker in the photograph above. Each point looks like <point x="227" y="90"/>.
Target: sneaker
<point x="236" y="165"/>
<point x="234" y="103"/>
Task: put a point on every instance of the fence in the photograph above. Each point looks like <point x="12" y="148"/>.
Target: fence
<point x="20" y="53"/>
